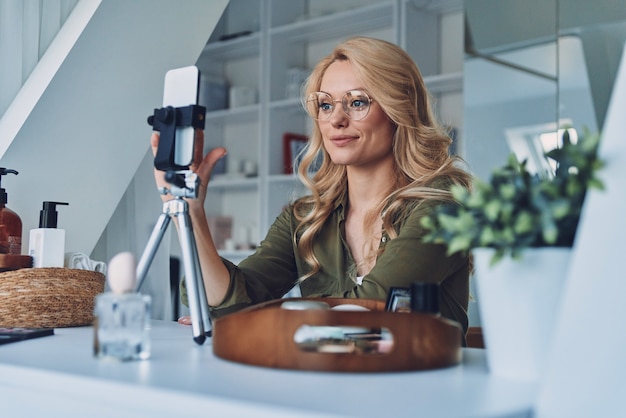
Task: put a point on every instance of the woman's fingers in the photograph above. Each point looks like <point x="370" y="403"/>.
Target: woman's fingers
<point x="184" y="320"/>
<point x="198" y="149"/>
<point x="208" y="162"/>
<point x="202" y="166"/>
<point x="154" y="142"/>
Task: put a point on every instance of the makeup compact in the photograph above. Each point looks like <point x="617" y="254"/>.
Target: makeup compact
<point x="11" y="335"/>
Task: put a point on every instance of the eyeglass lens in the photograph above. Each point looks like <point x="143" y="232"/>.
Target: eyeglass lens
<point x="355" y="104"/>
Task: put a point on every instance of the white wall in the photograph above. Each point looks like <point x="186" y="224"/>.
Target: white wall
<point x="585" y="377"/>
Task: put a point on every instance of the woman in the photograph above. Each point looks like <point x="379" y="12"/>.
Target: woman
<point x="385" y="164"/>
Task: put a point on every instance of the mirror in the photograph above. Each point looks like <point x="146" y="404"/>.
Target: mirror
<point x="533" y="66"/>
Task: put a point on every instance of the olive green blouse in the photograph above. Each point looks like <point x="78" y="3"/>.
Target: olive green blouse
<point x="276" y="266"/>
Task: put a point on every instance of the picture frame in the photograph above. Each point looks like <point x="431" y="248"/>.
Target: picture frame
<point x="293" y="144"/>
<point x="399" y="300"/>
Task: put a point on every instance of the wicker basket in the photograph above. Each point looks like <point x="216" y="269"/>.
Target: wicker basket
<point x="48" y="297"/>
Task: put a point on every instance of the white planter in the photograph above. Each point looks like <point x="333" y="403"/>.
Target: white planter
<point x="519" y="302"/>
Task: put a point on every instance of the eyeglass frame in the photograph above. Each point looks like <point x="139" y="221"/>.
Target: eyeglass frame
<point x="333" y="101"/>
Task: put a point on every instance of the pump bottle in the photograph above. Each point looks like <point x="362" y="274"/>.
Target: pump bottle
<point x="10" y="223"/>
<point x="47" y="243"/>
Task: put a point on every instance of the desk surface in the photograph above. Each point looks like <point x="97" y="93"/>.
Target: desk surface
<point x="58" y="375"/>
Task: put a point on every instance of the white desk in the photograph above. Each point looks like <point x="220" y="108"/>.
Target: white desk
<point x="58" y="376"/>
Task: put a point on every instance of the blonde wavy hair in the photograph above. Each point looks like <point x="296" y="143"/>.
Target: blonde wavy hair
<point x="420" y="144"/>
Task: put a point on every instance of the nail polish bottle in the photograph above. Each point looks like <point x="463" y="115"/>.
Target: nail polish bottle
<point x="425" y="298"/>
<point x="122" y="323"/>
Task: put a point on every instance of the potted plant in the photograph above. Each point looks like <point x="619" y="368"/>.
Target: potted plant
<point x="516" y="209"/>
<point x="520" y="228"/>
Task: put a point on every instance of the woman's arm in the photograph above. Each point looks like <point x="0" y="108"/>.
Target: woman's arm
<point x="267" y="274"/>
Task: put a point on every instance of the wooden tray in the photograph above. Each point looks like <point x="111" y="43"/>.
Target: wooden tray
<point x="263" y="335"/>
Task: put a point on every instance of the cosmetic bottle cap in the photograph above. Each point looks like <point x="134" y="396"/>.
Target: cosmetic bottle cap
<point x="48" y="216"/>
<point x="3" y="192"/>
<point x="425" y="297"/>
<point x="121" y="273"/>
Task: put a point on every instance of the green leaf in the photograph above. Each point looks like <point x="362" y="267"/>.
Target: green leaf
<point x="459" y="243"/>
<point x="496" y="257"/>
<point x="524" y="223"/>
<point x="487" y="237"/>
<point x="507" y="191"/>
<point x="427" y="222"/>
<point x="475" y="200"/>
<point x="492" y="209"/>
<point x="450" y="223"/>
<point x="561" y="209"/>
<point x="596" y="184"/>
<point x="459" y="193"/>
<point x="550" y="232"/>
<point x="508" y="235"/>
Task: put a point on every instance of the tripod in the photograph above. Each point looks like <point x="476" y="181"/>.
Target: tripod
<point x="184" y="184"/>
<point x="178" y="208"/>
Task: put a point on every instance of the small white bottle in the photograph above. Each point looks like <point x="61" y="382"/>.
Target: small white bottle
<point x="122" y="327"/>
<point x="46" y="244"/>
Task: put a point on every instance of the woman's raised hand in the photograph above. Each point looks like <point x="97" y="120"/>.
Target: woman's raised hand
<point x="202" y="166"/>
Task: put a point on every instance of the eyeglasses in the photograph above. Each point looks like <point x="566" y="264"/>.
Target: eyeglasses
<point x="355" y="103"/>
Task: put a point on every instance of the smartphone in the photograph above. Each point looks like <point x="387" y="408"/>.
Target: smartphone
<point x="181" y="89"/>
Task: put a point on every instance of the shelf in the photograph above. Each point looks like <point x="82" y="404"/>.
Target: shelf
<point x="240" y="47"/>
<point x="283" y="179"/>
<point x="442" y="6"/>
<point x="292" y="105"/>
<point x="234" y="115"/>
<point x="440" y="83"/>
<point x="338" y="24"/>
<point x="225" y="182"/>
<point x="444" y="83"/>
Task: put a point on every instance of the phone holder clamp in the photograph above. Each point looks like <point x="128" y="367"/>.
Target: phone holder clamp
<point x="166" y="120"/>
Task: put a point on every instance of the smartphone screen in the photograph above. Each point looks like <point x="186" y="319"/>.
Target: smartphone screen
<point x="181" y="89"/>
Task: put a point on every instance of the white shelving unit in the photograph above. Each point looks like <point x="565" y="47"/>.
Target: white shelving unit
<point x="276" y="35"/>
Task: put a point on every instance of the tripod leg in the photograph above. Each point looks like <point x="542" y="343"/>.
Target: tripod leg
<point x="151" y="247"/>
<point x="192" y="273"/>
<point x="204" y="303"/>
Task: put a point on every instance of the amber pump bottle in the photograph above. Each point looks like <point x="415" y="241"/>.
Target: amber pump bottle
<point x="10" y="222"/>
